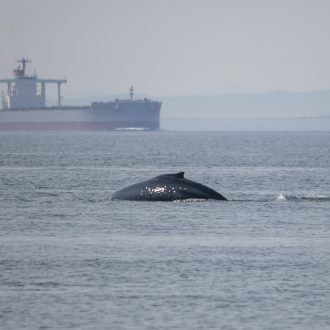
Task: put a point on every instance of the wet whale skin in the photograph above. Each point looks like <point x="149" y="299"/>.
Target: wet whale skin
<point x="167" y="187"/>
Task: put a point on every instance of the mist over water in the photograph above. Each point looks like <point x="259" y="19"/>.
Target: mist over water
<point x="72" y="258"/>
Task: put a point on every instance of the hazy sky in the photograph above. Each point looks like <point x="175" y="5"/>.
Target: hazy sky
<point x="172" y="47"/>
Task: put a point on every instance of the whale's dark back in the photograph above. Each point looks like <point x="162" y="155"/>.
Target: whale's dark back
<point x="167" y="187"/>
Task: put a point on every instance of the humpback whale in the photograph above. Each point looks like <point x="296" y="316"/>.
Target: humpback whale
<point x="167" y="187"/>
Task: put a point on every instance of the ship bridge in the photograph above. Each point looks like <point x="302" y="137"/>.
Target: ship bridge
<point x="22" y="90"/>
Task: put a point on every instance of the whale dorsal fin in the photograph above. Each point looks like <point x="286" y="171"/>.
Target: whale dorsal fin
<point x="179" y="175"/>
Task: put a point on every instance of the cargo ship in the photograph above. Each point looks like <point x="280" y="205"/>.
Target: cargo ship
<point x="24" y="108"/>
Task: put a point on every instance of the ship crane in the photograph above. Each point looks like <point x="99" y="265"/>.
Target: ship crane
<point x="50" y="81"/>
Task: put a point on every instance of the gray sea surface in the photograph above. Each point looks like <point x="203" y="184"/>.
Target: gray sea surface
<point x="71" y="258"/>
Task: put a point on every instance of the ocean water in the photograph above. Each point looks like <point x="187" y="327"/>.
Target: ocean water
<point x="70" y="258"/>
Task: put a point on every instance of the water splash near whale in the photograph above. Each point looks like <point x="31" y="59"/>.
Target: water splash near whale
<point x="309" y="198"/>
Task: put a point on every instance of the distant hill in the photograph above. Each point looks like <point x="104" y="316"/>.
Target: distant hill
<point x="272" y="111"/>
<point x="262" y="105"/>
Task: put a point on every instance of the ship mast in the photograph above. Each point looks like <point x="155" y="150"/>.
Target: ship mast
<point x="131" y="92"/>
<point x="20" y="71"/>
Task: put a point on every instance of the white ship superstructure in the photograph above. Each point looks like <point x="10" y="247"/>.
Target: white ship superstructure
<point x="22" y="91"/>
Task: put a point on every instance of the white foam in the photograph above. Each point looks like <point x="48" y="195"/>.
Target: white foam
<point x="309" y="197"/>
<point x="281" y="197"/>
<point x="317" y="197"/>
<point x="190" y="200"/>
